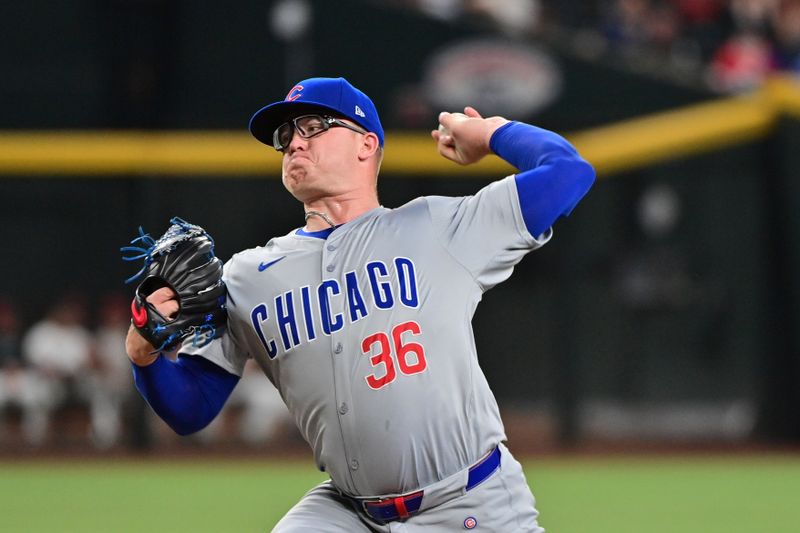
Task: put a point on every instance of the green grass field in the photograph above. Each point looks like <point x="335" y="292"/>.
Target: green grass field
<point x="649" y="494"/>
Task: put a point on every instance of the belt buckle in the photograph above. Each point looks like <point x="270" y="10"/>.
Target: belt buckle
<point x="374" y="509"/>
<point x="397" y="506"/>
<point x="366" y="503"/>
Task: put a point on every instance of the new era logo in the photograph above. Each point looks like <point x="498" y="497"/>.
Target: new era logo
<point x="359" y="112"/>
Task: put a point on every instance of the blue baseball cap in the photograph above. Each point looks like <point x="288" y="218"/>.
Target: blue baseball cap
<point x="315" y="95"/>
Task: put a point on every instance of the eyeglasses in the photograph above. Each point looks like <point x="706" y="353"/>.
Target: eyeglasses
<point x="307" y="126"/>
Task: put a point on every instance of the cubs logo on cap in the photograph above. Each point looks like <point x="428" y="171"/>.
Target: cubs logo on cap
<point x="294" y="93"/>
<point x="336" y="96"/>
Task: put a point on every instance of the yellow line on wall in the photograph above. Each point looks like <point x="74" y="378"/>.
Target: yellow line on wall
<point x="193" y="154"/>
<point x="783" y="93"/>
<point x="611" y="149"/>
<point x="665" y="136"/>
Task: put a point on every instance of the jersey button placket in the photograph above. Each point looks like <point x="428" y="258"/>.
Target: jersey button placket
<point x="327" y="257"/>
<point x="341" y="378"/>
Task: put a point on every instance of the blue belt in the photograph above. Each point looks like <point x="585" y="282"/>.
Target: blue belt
<point x="401" y="507"/>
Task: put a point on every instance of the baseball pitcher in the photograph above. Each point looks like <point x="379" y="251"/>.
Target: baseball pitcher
<point x="362" y="316"/>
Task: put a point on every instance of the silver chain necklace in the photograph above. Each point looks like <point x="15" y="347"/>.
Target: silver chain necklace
<point x="320" y="214"/>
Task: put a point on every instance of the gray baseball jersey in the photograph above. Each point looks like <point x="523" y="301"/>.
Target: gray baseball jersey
<point x="367" y="335"/>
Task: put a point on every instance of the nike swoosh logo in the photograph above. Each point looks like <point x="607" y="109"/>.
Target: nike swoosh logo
<point x="263" y="266"/>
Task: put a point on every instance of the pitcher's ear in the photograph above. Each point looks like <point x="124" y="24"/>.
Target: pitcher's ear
<point x="369" y="146"/>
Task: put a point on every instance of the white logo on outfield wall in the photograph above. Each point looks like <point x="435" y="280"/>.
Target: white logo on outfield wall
<point x="496" y="77"/>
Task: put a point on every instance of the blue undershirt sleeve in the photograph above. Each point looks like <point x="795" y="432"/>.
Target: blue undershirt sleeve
<point x="186" y="394"/>
<point x="553" y="177"/>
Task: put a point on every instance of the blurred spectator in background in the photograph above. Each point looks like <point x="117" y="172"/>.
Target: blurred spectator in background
<point x="787" y="36"/>
<point x="111" y="386"/>
<point x="263" y="413"/>
<point x="753" y="16"/>
<point x="740" y="64"/>
<point x="625" y="24"/>
<point x="743" y="60"/>
<point x="10" y="357"/>
<point x="730" y="45"/>
<point x="514" y="18"/>
<point x="10" y="354"/>
<point x="663" y="28"/>
<point x="255" y="409"/>
<point x="701" y="26"/>
<point x="59" y="350"/>
<point x="19" y="387"/>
